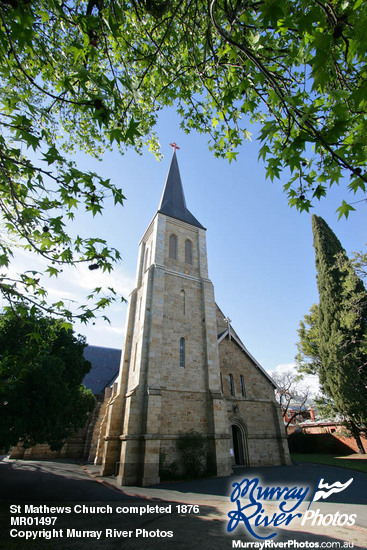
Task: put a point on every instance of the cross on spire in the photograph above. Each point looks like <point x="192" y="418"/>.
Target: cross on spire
<point x="175" y="146"/>
<point x="228" y="321"/>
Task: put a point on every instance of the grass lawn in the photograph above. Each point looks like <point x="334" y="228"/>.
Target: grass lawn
<point x="352" y="462"/>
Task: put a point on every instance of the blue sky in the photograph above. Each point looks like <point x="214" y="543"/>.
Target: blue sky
<point x="260" y="253"/>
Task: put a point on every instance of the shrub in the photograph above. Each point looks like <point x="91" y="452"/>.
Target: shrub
<point x="191" y="446"/>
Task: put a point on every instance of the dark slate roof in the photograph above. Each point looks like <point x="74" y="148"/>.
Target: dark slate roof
<point x="173" y="202"/>
<point x="105" y="367"/>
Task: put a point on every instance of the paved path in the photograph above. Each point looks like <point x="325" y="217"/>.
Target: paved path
<point x="144" y="517"/>
<point x="306" y="474"/>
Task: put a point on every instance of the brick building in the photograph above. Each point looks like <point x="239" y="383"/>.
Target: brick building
<point x="183" y="367"/>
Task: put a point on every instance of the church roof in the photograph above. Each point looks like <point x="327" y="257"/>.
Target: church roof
<point x="173" y="202"/>
<point x="225" y="330"/>
<point x="105" y="367"/>
<point x="233" y="336"/>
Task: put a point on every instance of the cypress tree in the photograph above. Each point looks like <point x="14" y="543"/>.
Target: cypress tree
<point x="342" y="327"/>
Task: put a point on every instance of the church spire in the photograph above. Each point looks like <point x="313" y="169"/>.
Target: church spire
<point x="173" y="202"/>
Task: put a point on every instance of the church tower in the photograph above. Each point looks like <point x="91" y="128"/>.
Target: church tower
<point x="169" y="381"/>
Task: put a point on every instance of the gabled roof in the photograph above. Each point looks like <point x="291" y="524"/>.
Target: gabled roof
<point x="105" y="367"/>
<point x="233" y="336"/>
<point x="230" y="333"/>
<point x="173" y="202"/>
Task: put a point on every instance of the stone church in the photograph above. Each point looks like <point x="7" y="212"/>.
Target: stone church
<point x="183" y="367"/>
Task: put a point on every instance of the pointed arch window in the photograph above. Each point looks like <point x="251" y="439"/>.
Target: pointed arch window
<point x="242" y="384"/>
<point x="231" y="385"/>
<point x="182" y="352"/>
<point x="147" y="259"/>
<point x="183" y="301"/>
<point x="172" y="253"/>
<point x="143" y="259"/>
<point x="188" y="252"/>
<point x="135" y="356"/>
<point x="140" y="301"/>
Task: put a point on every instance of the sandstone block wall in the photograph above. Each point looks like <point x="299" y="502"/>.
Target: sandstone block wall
<point x="234" y="361"/>
<point x="257" y="412"/>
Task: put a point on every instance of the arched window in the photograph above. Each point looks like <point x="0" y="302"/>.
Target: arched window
<point x="231" y="385"/>
<point x="172" y="253"/>
<point x="135" y="356"/>
<point x="188" y="252"/>
<point x="143" y="259"/>
<point x="221" y="383"/>
<point x="146" y="259"/>
<point x="242" y="383"/>
<point x="182" y="352"/>
<point x="183" y="301"/>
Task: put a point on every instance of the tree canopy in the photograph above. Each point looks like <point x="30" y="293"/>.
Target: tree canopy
<point x="333" y="336"/>
<point x="94" y="74"/>
<point x="41" y="370"/>
<point x="308" y="361"/>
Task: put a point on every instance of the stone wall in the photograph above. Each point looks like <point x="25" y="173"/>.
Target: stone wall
<point x="233" y="360"/>
<point x="256" y="413"/>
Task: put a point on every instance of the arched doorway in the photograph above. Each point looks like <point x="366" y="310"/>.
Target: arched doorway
<point x="239" y="445"/>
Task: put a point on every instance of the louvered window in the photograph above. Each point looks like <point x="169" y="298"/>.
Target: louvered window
<point x="188" y="252"/>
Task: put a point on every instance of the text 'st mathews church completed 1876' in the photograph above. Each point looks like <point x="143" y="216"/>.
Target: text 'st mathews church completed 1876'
<point x="183" y="367"/>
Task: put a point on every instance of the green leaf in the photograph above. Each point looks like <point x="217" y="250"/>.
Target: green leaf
<point x="132" y="132"/>
<point x="53" y="271"/>
<point x="344" y="209"/>
<point x="231" y="155"/>
<point x="53" y="155"/>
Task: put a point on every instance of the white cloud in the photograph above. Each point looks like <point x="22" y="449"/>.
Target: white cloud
<point x="281" y="369"/>
<point x="73" y="285"/>
<point x="122" y="282"/>
<point x="104" y="334"/>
